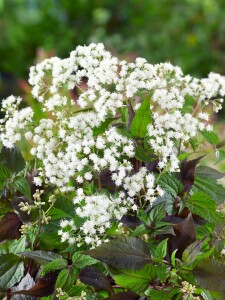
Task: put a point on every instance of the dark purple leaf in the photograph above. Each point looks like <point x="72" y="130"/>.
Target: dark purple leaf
<point x="210" y="274"/>
<point x="106" y="180"/>
<point x="123" y="253"/>
<point x="44" y="287"/>
<point x="92" y="276"/>
<point x="185" y="236"/>
<point x="124" y="296"/>
<point x="187" y="172"/>
<point x="131" y="221"/>
<point x="9" y="227"/>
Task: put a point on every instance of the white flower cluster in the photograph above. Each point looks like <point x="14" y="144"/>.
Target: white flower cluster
<point x="98" y="210"/>
<point x="67" y="231"/>
<point x="15" y="122"/>
<point x="80" y="138"/>
<point x="170" y="128"/>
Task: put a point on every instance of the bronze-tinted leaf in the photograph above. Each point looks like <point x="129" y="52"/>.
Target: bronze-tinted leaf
<point x="92" y="276"/>
<point x="131" y="221"/>
<point x="123" y="253"/>
<point x="44" y="287"/>
<point x="185" y="236"/>
<point x="187" y="172"/>
<point x="124" y="296"/>
<point x="106" y="180"/>
<point x="210" y="274"/>
<point x="9" y="227"/>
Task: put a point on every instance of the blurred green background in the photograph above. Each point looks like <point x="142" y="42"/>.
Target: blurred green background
<point x="189" y="33"/>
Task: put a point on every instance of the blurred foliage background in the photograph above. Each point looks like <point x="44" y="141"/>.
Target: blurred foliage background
<point x="189" y="33"/>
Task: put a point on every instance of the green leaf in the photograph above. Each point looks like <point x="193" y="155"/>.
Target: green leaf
<point x="102" y="128"/>
<point x="210" y="274"/>
<point x="206" y="295"/>
<point x="123" y="253"/>
<point x="143" y="155"/>
<point x="211" y="188"/>
<point x="81" y="260"/>
<point x="57" y="264"/>
<point x="56" y="213"/>
<point x="157" y="212"/>
<point x="220" y="155"/>
<point x="13" y="159"/>
<point x="140" y="230"/>
<point x="42" y="257"/>
<point x="136" y="281"/>
<point x="15" y="246"/>
<point x="11" y="270"/>
<point x="66" y="278"/>
<point x="203" y="205"/>
<point x="4" y="172"/>
<point x="162" y="271"/>
<point x="211" y="137"/>
<point x="161" y="250"/>
<point x="161" y="295"/>
<point x="62" y="277"/>
<point x="21" y="184"/>
<point x="170" y="184"/>
<point x="192" y="251"/>
<point x="207" y="172"/>
<point x="142" y="118"/>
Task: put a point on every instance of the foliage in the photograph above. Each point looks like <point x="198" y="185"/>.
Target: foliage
<point x="125" y="215"/>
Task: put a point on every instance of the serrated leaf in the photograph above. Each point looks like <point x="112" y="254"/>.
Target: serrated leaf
<point x="161" y="295"/>
<point x="208" y="172"/>
<point x="161" y="250"/>
<point x="137" y="280"/>
<point x="56" y="213"/>
<point x="13" y="159"/>
<point x="4" y="172"/>
<point x="11" y="270"/>
<point x="143" y="155"/>
<point x="62" y="277"/>
<point x="9" y="227"/>
<point x="66" y="278"/>
<point x="162" y="271"/>
<point x="142" y="118"/>
<point x="211" y="137"/>
<point x="17" y="246"/>
<point x="56" y="264"/>
<point x="92" y="276"/>
<point x="203" y="205"/>
<point x="81" y="260"/>
<point x="211" y="188"/>
<point x="157" y="212"/>
<point x="210" y="274"/>
<point x="125" y="252"/>
<point x="192" y="251"/>
<point x="140" y="230"/>
<point x="42" y="257"/>
<point x="21" y="184"/>
<point x="170" y="184"/>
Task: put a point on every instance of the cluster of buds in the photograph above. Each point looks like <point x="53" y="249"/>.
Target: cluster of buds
<point x="188" y="290"/>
